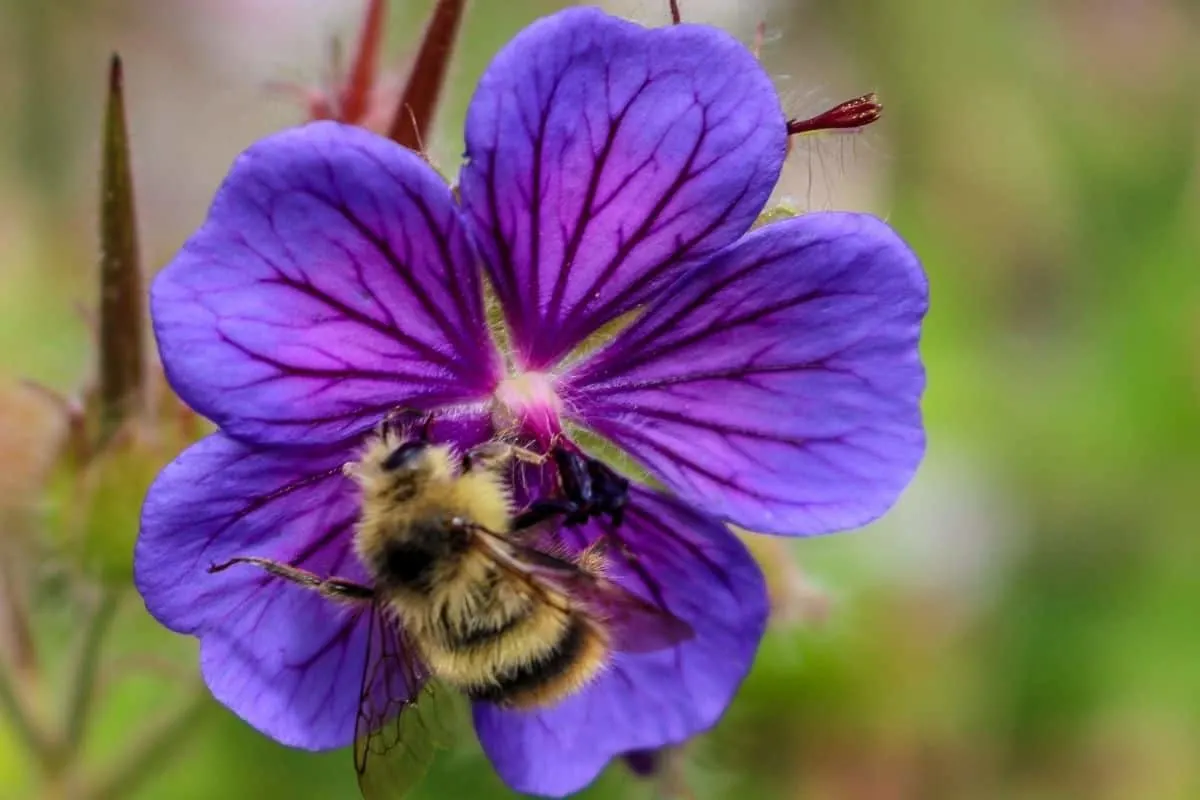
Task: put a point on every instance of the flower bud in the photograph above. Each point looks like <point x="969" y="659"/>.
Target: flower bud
<point x="92" y="511"/>
<point x="776" y="213"/>
<point x="122" y="339"/>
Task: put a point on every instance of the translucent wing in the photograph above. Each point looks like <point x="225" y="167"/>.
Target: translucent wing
<point x="636" y="625"/>
<point x="402" y="717"/>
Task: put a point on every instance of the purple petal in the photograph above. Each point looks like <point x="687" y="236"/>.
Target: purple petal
<point x="284" y="659"/>
<point x="778" y="386"/>
<point x="332" y="281"/>
<point x="603" y="155"/>
<point x="699" y="571"/>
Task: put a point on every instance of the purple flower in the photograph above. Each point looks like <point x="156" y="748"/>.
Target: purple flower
<point x="769" y="379"/>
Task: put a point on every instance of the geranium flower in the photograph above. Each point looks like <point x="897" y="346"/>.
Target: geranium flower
<point x="769" y="379"/>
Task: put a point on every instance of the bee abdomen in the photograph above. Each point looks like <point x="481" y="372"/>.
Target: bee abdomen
<point x="558" y="671"/>
<point x="485" y="633"/>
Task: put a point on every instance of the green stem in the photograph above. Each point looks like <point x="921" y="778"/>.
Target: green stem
<point x="153" y="747"/>
<point x="82" y="687"/>
<point x="21" y="721"/>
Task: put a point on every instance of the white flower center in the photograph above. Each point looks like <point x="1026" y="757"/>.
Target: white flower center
<point x="528" y="402"/>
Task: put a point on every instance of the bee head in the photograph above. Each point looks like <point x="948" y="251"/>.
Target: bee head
<point x="387" y="466"/>
<point x="417" y="460"/>
<point x="407" y="457"/>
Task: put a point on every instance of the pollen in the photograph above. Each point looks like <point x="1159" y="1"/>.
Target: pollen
<point x="528" y="401"/>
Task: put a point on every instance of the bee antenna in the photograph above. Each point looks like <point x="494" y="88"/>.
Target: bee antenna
<point x="427" y="427"/>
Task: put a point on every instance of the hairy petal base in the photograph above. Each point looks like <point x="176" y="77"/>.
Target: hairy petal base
<point x="779" y="385"/>
<point x="602" y="156"/>
<point x="332" y="281"/>
<point x="694" y="567"/>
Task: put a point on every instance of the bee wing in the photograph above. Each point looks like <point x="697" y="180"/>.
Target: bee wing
<point x="635" y="625"/>
<point x="402" y="716"/>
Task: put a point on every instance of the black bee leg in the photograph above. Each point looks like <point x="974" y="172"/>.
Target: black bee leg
<point x="594" y="488"/>
<point x="573" y="476"/>
<point x="543" y="510"/>
<point x="617" y="515"/>
<point x="611" y="491"/>
<point x="526" y="455"/>
<point x="484" y="456"/>
<point x="491" y="455"/>
<point x="335" y="588"/>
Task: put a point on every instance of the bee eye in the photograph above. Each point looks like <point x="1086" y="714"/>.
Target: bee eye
<point x="404" y="457"/>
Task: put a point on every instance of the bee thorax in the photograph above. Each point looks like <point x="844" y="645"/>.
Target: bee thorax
<point x="425" y="552"/>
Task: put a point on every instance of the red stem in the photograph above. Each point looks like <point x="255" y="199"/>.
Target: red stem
<point x="414" y="114"/>
<point x="356" y="93"/>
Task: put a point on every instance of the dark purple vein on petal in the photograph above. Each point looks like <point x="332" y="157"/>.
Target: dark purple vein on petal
<point x="842" y="440"/>
<point x="260" y="501"/>
<point x="358" y="413"/>
<point x="656" y="211"/>
<point x="438" y="231"/>
<point x="732" y="374"/>
<point x="681" y="459"/>
<point x="506" y="285"/>
<point x="663" y="349"/>
<point x="401" y="270"/>
<point x="457" y="294"/>
<point x="360" y="277"/>
<point x="655" y="331"/>
<point x="535" y="200"/>
<point x="382" y="376"/>
<point x="665" y="532"/>
<point x="587" y="212"/>
<point x="352" y="314"/>
<point x="608" y="310"/>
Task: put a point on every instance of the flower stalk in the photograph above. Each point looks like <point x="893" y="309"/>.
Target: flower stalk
<point x="20" y="718"/>
<point x="152" y="748"/>
<point x="83" y="683"/>
<point x="16" y="631"/>
<point x="354" y="98"/>
<point x="419" y="101"/>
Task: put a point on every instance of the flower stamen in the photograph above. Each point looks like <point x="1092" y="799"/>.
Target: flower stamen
<point x="851" y="115"/>
<point x="529" y="402"/>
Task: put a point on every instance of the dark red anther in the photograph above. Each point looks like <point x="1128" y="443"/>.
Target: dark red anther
<point x="850" y="115"/>
<point x="676" y="16"/>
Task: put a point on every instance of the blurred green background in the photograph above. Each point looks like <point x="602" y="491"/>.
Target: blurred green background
<point x="1022" y="625"/>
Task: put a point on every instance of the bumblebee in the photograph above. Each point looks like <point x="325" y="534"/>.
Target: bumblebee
<point x="461" y="594"/>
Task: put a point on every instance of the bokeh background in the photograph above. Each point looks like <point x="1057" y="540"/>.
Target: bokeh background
<point x="1022" y="625"/>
